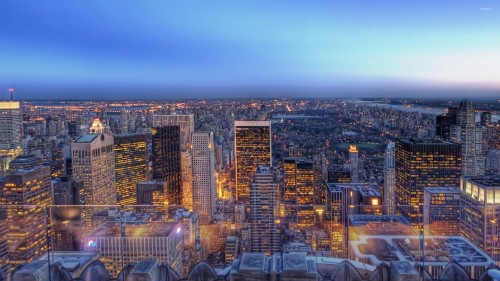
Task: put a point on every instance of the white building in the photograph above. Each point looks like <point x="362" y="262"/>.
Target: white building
<point x="93" y="161"/>
<point x="204" y="189"/>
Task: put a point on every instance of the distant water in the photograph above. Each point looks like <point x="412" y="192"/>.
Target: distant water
<point x="430" y="110"/>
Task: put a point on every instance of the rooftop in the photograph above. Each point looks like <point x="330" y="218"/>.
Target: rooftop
<point x="136" y="229"/>
<point x="86" y="138"/>
<point x="442" y="189"/>
<point x="486" y="181"/>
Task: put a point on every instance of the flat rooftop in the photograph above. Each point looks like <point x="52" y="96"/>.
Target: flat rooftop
<point x="442" y="189"/>
<point x="70" y="260"/>
<point x="486" y="181"/>
<point x="437" y="250"/>
<point x="135" y="229"/>
<point x="86" y="138"/>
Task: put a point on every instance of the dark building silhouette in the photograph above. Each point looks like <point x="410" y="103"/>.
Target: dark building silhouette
<point x="167" y="160"/>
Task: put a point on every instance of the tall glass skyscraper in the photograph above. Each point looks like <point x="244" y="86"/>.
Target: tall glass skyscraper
<point x="167" y="160"/>
<point x="252" y="146"/>
<point x="10" y="133"/>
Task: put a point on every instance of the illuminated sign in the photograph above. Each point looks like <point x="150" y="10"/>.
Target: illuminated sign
<point x="92" y="243"/>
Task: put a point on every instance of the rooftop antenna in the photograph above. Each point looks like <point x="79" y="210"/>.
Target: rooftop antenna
<point x="11" y="91"/>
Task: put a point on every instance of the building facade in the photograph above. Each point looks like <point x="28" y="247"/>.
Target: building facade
<point x="204" y="193"/>
<point x="390" y="179"/>
<point x="299" y="192"/>
<point x="25" y="194"/>
<point x="354" y="163"/>
<point x="252" y="146"/>
<point x="167" y="160"/>
<point x="480" y="213"/>
<point x="265" y="236"/>
<point x="130" y="166"/>
<point x="93" y="162"/>
<point x="420" y="164"/>
<point x="442" y="211"/>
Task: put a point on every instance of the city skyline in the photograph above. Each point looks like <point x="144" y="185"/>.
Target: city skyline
<point x="156" y="50"/>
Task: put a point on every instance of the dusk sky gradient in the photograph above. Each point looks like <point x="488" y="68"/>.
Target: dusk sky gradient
<point x="183" y="49"/>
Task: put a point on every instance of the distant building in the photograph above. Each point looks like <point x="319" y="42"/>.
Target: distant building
<point x="185" y="123"/>
<point x="10" y="129"/>
<point x="25" y="194"/>
<point x="204" y="193"/>
<point x="265" y="235"/>
<point x="155" y="193"/>
<point x="444" y="123"/>
<point x="339" y="175"/>
<point x="390" y="179"/>
<point x="493" y="162"/>
<point x="167" y="160"/>
<point x="130" y="165"/>
<point x="420" y="164"/>
<point x="25" y="161"/>
<point x="354" y="163"/>
<point x="122" y="243"/>
<point x="442" y="211"/>
<point x="480" y="213"/>
<point x="299" y="191"/>
<point x="252" y="146"/>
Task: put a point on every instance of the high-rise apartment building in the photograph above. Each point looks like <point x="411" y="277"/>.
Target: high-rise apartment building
<point x="24" y="195"/>
<point x="390" y="179"/>
<point x="204" y="193"/>
<point x="420" y="164"/>
<point x="354" y="163"/>
<point x="93" y="161"/>
<point x="167" y="160"/>
<point x="130" y="166"/>
<point x="265" y="236"/>
<point x="299" y="192"/>
<point x="186" y="126"/>
<point x="480" y="213"/>
<point x="252" y="146"/>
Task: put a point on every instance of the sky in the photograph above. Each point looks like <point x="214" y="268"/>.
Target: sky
<point x="158" y="49"/>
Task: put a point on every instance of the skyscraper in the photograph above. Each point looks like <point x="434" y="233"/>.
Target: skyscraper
<point x="26" y="193"/>
<point x="299" y="191"/>
<point x="93" y="161"/>
<point x="186" y="126"/>
<point x="130" y="166"/>
<point x="252" y="146"/>
<point x="185" y="123"/>
<point x="420" y="164"/>
<point x="480" y="213"/>
<point x="390" y="178"/>
<point x="470" y="137"/>
<point x="204" y="193"/>
<point x="167" y="160"/>
<point x="265" y="236"/>
<point x="10" y="132"/>
<point x="354" y="163"/>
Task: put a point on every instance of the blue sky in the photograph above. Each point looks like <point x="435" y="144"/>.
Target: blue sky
<point x="173" y="49"/>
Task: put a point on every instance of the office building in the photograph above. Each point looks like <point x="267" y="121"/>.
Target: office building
<point x="442" y="211"/>
<point x="354" y="163"/>
<point x="299" y="192"/>
<point x="93" y="162"/>
<point x="265" y="235"/>
<point x="444" y="122"/>
<point x="231" y="250"/>
<point x="204" y="193"/>
<point x="420" y="164"/>
<point x="185" y="123"/>
<point x="486" y="118"/>
<point x="167" y="160"/>
<point x="470" y="137"/>
<point x="122" y="243"/>
<point x="10" y="132"/>
<point x="130" y="166"/>
<point x="252" y="146"/>
<point x="390" y="179"/>
<point x="153" y="193"/>
<point x="480" y="213"/>
<point x="4" y="253"/>
<point x="493" y="162"/>
<point x="186" y="126"/>
<point x="25" y="195"/>
<point x="339" y="175"/>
